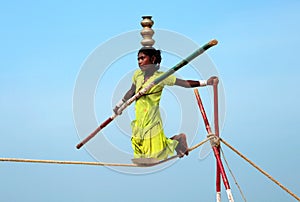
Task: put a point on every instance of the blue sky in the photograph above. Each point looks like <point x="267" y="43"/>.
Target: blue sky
<point x="45" y="44"/>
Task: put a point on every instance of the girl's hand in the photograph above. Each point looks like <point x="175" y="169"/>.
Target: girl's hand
<point x="212" y="80"/>
<point x="116" y="110"/>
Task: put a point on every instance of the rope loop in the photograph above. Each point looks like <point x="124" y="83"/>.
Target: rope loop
<point x="214" y="140"/>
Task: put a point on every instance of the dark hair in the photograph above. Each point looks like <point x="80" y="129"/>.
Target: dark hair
<point x="151" y="52"/>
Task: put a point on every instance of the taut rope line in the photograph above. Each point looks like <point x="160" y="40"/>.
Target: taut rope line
<point x="210" y="137"/>
<point x="20" y="160"/>
<point x="65" y="162"/>
<point x="260" y="170"/>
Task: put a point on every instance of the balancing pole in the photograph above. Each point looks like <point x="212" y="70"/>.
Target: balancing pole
<point x="215" y="147"/>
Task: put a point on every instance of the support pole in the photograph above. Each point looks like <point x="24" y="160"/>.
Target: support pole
<point x="215" y="147"/>
<point x="216" y="123"/>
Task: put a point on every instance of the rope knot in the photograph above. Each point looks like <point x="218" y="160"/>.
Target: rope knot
<point x="214" y="140"/>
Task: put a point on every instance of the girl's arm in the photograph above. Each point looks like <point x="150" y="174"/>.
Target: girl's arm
<point x="126" y="97"/>
<point x="187" y="83"/>
<point x="130" y="93"/>
<point x="192" y="83"/>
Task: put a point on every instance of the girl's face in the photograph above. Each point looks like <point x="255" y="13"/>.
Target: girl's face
<point x="145" y="62"/>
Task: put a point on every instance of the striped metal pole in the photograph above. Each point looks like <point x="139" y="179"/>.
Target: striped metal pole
<point x="220" y="167"/>
<point x="216" y="123"/>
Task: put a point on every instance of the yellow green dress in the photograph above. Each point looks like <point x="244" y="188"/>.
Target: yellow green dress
<point x="148" y="138"/>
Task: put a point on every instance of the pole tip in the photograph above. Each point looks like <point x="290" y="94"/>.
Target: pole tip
<point x="216" y="81"/>
<point x="79" y="145"/>
<point x="213" y="42"/>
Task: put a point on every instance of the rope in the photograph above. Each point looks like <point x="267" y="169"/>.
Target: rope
<point x="209" y="137"/>
<point x="65" y="162"/>
<point x="235" y="181"/>
<point x="20" y="160"/>
<point x="260" y="170"/>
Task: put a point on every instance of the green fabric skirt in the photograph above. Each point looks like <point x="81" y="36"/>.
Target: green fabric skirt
<point x="151" y="142"/>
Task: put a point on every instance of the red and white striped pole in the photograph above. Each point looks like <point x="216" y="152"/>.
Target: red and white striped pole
<point x="216" y="123"/>
<point x="216" y="149"/>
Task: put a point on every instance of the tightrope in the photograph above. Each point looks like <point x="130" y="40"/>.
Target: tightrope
<point x="210" y="137"/>
<point x="21" y="160"/>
